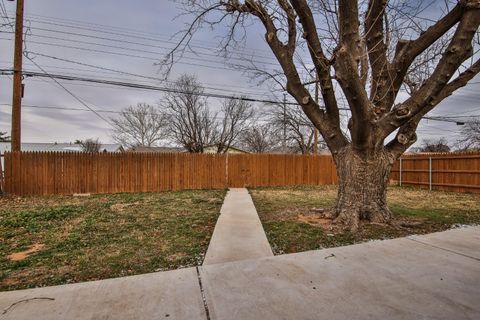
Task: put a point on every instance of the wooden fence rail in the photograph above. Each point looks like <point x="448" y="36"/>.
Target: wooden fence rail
<point x="44" y="173"/>
<point x="458" y="172"/>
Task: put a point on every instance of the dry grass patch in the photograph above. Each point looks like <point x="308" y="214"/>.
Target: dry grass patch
<point x="65" y="239"/>
<point x="292" y="221"/>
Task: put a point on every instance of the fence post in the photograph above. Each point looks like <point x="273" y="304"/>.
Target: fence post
<point x="430" y="173"/>
<point x="2" y="176"/>
<point x="226" y="170"/>
<point x="400" y="172"/>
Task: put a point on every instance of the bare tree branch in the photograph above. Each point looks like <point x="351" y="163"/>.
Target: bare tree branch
<point x="190" y="122"/>
<point x="142" y="125"/>
<point x="237" y="115"/>
<point x="406" y="135"/>
<point x="427" y="97"/>
<point x="259" y="138"/>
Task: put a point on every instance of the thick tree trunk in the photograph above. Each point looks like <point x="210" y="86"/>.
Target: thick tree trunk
<point x="363" y="178"/>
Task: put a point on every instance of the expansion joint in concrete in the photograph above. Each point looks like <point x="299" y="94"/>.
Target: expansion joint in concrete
<point x="202" y="291"/>
<point x="444" y="249"/>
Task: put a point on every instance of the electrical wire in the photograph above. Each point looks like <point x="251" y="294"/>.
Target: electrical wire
<point x="213" y="86"/>
<point x="132" y="50"/>
<point x="97" y="110"/>
<point x="156" y="40"/>
<point x="67" y="90"/>
<point x="233" y="66"/>
<point x="138" y="35"/>
<point x="136" y="85"/>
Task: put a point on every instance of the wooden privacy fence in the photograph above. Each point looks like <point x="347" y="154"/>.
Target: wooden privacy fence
<point x="458" y="172"/>
<point x="43" y="173"/>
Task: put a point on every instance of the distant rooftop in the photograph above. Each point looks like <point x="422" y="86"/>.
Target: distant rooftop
<point x="156" y="149"/>
<point x="58" y="147"/>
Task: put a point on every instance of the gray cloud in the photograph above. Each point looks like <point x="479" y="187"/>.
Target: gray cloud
<point x="155" y="18"/>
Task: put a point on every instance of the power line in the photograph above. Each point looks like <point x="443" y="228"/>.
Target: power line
<point x="211" y="85"/>
<point x="136" y="36"/>
<point x="171" y="90"/>
<point x="27" y="53"/>
<point x="68" y="91"/>
<point x="455" y="117"/>
<point x="136" y="85"/>
<point x="73" y="22"/>
<point x="130" y="49"/>
<point x="93" y="66"/>
<point x="143" y="51"/>
<point x="230" y="57"/>
<point x="88" y="110"/>
<point x="67" y="109"/>
<point x="232" y="92"/>
<point x="137" y="56"/>
<point x="107" y="86"/>
<point x="3" y="10"/>
<point x="128" y="36"/>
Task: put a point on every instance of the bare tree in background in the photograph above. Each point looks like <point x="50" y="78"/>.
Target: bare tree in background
<point x="299" y="129"/>
<point x="259" y="138"/>
<point x="435" y="145"/>
<point x="191" y="124"/>
<point x="194" y="126"/>
<point x="470" y="135"/>
<point x="237" y="117"/>
<point x="90" y="145"/>
<point x="350" y="44"/>
<point x="140" y="125"/>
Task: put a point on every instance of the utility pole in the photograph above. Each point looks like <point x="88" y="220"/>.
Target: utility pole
<point x="17" y="79"/>
<point x="315" y="130"/>
<point x="284" y="144"/>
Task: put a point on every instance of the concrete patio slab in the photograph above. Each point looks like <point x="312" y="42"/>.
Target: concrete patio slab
<point x="462" y="241"/>
<point x="238" y="234"/>
<point x="163" y="295"/>
<point x="394" y="279"/>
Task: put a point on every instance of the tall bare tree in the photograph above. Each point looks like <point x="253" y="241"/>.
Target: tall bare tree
<point x="237" y="117"/>
<point x="140" y="125"/>
<point x="299" y="130"/>
<point x="194" y="126"/>
<point x="350" y="44"/>
<point x="259" y="138"/>
<point x="470" y="135"/>
<point x="191" y="123"/>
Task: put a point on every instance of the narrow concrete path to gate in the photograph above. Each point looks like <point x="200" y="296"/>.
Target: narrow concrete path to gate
<point x="238" y="234"/>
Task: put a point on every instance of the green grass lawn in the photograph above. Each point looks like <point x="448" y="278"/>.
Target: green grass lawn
<point x="292" y="226"/>
<point x="73" y="239"/>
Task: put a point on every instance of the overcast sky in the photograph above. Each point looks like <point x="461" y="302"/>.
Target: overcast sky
<point x="132" y="36"/>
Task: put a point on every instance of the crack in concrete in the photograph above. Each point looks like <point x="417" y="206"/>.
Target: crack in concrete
<point x="448" y="250"/>
<point x="202" y="291"/>
<point x="24" y="300"/>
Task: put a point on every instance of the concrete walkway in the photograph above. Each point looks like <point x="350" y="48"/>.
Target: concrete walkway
<point x="435" y="276"/>
<point x="238" y="234"/>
